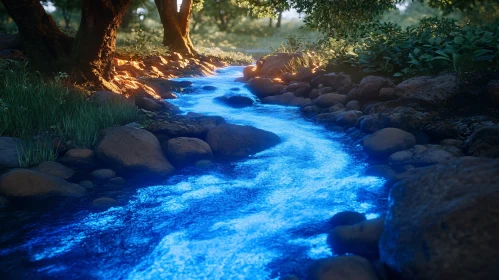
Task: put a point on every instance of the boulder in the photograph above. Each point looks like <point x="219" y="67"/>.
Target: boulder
<point x="303" y="92"/>
<point x="250" y="72"/>
<point x="452" y="142"/>
<point x="329" y="99"/>
<point x="103" y="174"/>
<point x="353" y="105"/>
<point x="24" y="183"/>
<point x="274" y="65"/>
<point x="426" y="88"/>
<point x="148" y="104"/>
<point x="334" y="81"/>
<point x="103" y="203"/>
<point x="235" y="141"/>
<point x="484" y="142"/>
<point x="56" y="169"/>
<point x="184" y="151"/>
<point x="170" y="107"/>
<point x="11" y="150"/>
<point x="129" y="150"/>
<point x="359" y="239"/>
<point x="185" y="126"/>
<point x="310" y="110"/>
<point x="443" y="222"/>
<point x="342" y="268"/>
<point x="441" y="130"/>
<point x="236" y="101"/>
<point x="387" y="141"/>
<point x="369" y="88"/>
<point x="349" y="118"/>
<point x="287" y="99"/>
<point x="263" y="87"/>
<point x="87" y="184"/>
<point x="387" y="93"/>
<point x="79" y="159"/>
<point x="431" y="156"/>
<point x="346" y="218"/>
<point x="116" y="182"/>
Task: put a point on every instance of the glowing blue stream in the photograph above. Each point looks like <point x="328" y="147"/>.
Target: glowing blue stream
<point x="253" y="219"/>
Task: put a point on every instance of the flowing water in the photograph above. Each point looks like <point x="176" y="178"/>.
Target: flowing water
<point x="257" y="218"/>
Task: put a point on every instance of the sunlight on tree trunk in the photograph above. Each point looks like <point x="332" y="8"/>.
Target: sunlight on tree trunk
<point x="88" y="56"/>
<point x="176" y="25"/>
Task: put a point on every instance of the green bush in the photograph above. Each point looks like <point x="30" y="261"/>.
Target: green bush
<point x="38" y="111"/>
<point x="432" y="47"/>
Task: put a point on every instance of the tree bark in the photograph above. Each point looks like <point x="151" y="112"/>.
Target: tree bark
<point x="95" y="42"/>
<point x="176" y="25"/>
<point x="88" y="56"/>
<point x="279" y="21"/>
<point x="46" y="46"/>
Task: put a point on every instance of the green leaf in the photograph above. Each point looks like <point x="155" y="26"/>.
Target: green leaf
<point x="442" y="54"/>
<point x="459" y="40"/>
<point x="480" y="52"/>
<point x="485" y="58"/>
<point x="398" y="74"/>
<point x="438" y="40"/>
<point x="442" y="58"/>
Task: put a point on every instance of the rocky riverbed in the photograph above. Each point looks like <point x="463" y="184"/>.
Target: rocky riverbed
<point x="279" y="190"/>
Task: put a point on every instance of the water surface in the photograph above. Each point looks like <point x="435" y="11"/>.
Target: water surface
<point x="257" y="218"/>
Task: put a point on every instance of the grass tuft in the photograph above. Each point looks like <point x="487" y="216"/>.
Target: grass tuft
<point x="39" y="110"/>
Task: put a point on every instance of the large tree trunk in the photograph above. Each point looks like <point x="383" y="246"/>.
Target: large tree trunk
<point x="279" y="21"/>
<point x="88" y="57"/>
<point x="176" y="25"/>
<point x="47" y="47"/>
<point x="95" y="42"/>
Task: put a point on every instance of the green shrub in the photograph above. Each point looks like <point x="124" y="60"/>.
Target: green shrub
<point x="432" y="47"/>
<point x="38" y="111"/>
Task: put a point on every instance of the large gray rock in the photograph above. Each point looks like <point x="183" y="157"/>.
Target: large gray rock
<point x="79" y="159"/>
<point x="329" y="99"/>
<point x="387" y="141"/>
<point x="275" y="65"/>
<point x="334" y="81"/>
<point x="130" y="150"/>
<point x="11" y="150"/>
<point x="443" y="222"/>
<point x="55" y="169"/>
<point x="148" y="104"/>
<point x="434" y="90"/>
<point x="342" y="268"/>
<point x="183" y="151"/>
<point x="185" y="126"/>
<point x="484" y="142"/>
<point x="23" y="183"/>
<point x="236" y="141"/>
<point x="349" y="118"/>
<point x="369" y="89"/>
<point x="358" y="239"/>
<point x="263" y="87"/>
